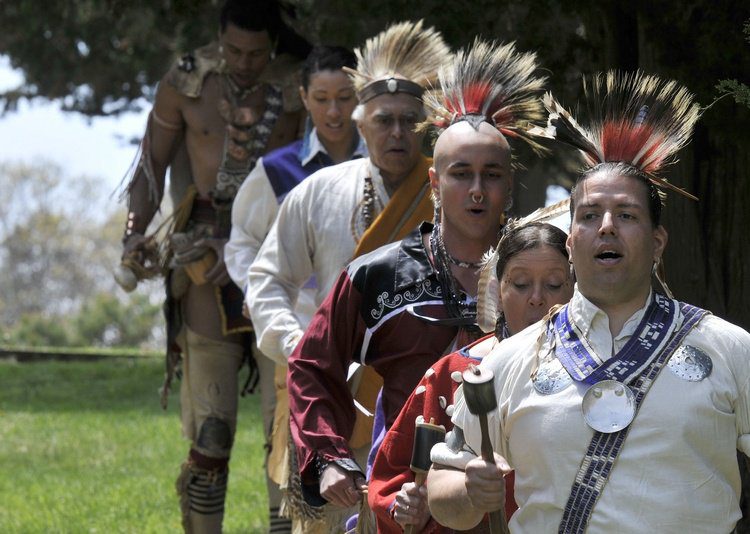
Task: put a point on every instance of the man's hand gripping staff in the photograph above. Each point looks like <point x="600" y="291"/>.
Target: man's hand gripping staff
<point x="479" y="393"/>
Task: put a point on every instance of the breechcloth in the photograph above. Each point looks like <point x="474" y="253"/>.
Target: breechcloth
<point x="205" y="221"/>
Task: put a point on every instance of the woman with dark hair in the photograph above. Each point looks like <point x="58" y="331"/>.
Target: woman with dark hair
<point x="330" y="138"/>
<point x="533" y="274"/>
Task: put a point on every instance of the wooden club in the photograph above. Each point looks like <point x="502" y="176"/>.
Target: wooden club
<point x="479" y="392"/>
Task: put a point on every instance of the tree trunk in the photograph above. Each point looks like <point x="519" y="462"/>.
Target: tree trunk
<point x="708" y="255"/>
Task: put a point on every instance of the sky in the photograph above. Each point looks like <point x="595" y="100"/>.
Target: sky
<point x="38" y="130"/>
<point x="97" y="147"/>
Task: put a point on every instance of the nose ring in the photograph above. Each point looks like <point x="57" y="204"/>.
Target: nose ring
<point x="477" y="199"/>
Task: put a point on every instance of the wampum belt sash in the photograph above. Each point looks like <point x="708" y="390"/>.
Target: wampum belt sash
<point x="584" y="365"/>
<point x="604" y="448"/>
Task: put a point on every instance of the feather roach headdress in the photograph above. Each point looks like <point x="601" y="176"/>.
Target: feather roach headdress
<point x="635" y="118"/>
<point x="402" y="59"/>
<point x="493" y="83"/>
<point x="488" y="290"/>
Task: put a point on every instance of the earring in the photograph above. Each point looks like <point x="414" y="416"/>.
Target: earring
<point x="436" y="204"/>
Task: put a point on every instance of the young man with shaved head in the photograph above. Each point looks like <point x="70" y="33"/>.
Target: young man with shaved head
<point x="401" y="307"/>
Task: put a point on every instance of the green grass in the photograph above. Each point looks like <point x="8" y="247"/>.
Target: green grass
<point x="85" y="447"/>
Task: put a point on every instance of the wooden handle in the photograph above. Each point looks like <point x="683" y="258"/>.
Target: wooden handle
<point x="419" y="479"/>
<point x="498" y="523"/>
<point x="488" y="455"/>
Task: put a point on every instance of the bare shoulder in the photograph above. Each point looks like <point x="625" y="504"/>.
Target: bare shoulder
<point x="168" y="106"/>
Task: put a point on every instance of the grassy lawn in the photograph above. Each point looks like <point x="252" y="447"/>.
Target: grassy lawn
<point x="85" y="447"/>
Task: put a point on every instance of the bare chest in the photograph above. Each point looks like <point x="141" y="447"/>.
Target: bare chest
<point x="206" y="120"/>
<point x="207" y="116"/>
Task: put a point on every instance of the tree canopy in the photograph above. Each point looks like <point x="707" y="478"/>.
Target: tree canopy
<point x="98" y="56"/>
<point x="101" y="56"/>
<point x="57" y="250"/>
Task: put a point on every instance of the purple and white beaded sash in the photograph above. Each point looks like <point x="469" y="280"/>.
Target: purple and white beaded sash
<point x="603" y="450"/>
<point x="584" y="365"/>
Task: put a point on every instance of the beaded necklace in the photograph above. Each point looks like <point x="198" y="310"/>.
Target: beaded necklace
<point x="451" y="259"/>
<point x="232" y="172"/>
<point x="368" y="202"/>
<point x="455" y="304"/>
<point x="365" y="212"/>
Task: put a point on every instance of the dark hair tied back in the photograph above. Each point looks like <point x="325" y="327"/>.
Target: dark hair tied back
<point x="528" y="237"/>
<point x="326" y="58"/>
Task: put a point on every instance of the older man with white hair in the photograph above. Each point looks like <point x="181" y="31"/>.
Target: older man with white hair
<point x="349" y="209"/>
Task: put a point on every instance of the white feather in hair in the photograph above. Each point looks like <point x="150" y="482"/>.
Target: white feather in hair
<point x="488" y="292"/>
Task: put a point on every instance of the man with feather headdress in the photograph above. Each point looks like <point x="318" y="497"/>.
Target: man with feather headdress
<point x="623" y="410"/>
<point x="401" y="307"/>
<point x="346" y="210"/>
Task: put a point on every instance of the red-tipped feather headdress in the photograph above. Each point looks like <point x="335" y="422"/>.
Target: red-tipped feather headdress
<point x="635" y="118"/>
<point x="492" y="83"/>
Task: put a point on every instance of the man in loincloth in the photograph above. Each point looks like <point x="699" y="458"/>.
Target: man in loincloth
<point x="216" y="112"/>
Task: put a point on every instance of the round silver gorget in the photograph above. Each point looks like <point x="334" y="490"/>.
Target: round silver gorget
<point x="690" y="363"/>
<point x="608" y="406"/>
